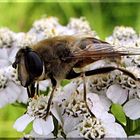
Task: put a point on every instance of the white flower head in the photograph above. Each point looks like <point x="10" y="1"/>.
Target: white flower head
<point x="6" y="38"/>
<point x="45" y="23"/>
<point x="117" y="94"/>
<point x="108" y="125"/>
<point x="12" y="75"/>
<point x="24" y="39"/>
<point x="36" y="112"/>
<point x="37" y="106"/>
<point x="10" y="92"/>
<point x="131" y="109"/>
<point x="91" y="128"/>
<point x="47" y="27"/>
<point x="79" y="25"/>
<point x="3" y="80"/>
<point x="124" y="33"/>
<point x="100" y="83"/>
<point x="73" y="103"/>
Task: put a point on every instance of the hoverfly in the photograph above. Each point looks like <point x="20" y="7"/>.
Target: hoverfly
<point x="55" y="59"/>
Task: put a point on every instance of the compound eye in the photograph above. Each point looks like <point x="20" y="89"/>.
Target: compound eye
<point x="33" y="64"/>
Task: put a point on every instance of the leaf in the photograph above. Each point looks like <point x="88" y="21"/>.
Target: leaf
<point x="65" y="82"/>
<point x="17" y="104"/>
<point x="136" y="127"/>
<point x="117" y="111"/>
<point x="29" y="128"/>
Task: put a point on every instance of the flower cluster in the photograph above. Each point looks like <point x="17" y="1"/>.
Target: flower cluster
<point x="70" y="115"/>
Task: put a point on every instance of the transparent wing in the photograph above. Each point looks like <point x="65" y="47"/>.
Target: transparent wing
<point x="94" y="48"/>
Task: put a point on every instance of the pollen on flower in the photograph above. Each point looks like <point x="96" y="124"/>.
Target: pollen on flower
<point x="12" y="75"/>
<point x="124" y="33"/>
<point x="50" y="32"/>
<point x="124" y="37"/>
<point x="45" y="23"/>
<point x="76" y="108"/>
<point x="91" y="128"/>
<point x="100" y="82"/>
<point x="3" y="80"/>
<point x="79" y="24"/>
<point x="125" y="81"/>
<point x="25" y="39"/>
<point x="37" y="106"/>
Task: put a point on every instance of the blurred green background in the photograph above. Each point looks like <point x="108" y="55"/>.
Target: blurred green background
<point x="102" y="16"/>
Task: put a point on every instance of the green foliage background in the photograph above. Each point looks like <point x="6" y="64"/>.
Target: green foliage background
<point x="102" y="16"/>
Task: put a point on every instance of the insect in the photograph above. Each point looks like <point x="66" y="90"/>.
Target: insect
<point x="55" y="59"/>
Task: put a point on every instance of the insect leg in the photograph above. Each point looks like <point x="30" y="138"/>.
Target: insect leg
<point x="28" y="92"/>
<point x="85" y="94"/>
<point x="72" y="74"/>
<point x="54" y="83"/>
<point x="109" y="69"/>
<point x="31" y="90"/>
<point x="37" y="88"/>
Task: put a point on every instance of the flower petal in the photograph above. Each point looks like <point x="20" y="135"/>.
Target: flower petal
<point x="117" y="94"/>
<point x="70" y="88"/>
<point x="95" y="101"/>
<point x="132" y="109"/>
<point x="43" y="127"/>
<point x="105" y="101"/>
<point x="3" y="53"/>
<point x="23" y="97"/>
<point x="11" y="95"/>
<point x="22" y="122"/>
<point x="98" y="108"/>
<point x="70" y="123"/>
<point x="114" y="130"/>
<point x="3" y="99"/>
<point x="107" y="117"/>
<point x="57" y="112"/>
<point x="3" y="63"/>
<point x="12" y="54"/>
<point x="74" y="134"/>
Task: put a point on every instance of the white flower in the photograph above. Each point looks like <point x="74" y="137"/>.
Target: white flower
<point x="7" y="56"/>
<point x="123" y="37"/>
<point x="114" y="130"/>
<point x="117" y="94"/>
<point x="9" y="91"/>
<point x="97" y="107"/>
<point x="72" y="113"/>
<point x="6" y="38"/>
<point x="111" y="128"/>
<point x="24" y="40"/>
<point x="12" y="76"/>
<point x="91" y="128"/>
<point x="45" y="23"/>
<point x="46" y="28"/>
<point x="79" y="25"/>
<point x="131" y="109"/>
<point x="36" y="112"/>
<point x="126" y="39"/>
